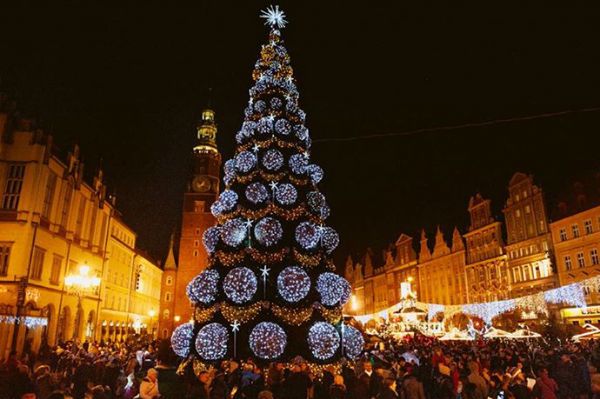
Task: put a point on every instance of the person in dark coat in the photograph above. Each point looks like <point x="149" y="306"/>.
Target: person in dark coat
<point x="566" y="377"/>
<point x="297" y="384"/>
<point x="218" y="387"/>
<point x="388" y="391"/>
<point x="233" y="376"/>
<point x="275" y="379"/>
<point x="376" y="383"/>
<point x="337" y="390"/>
<point x="322" y="387"/>
<point x="83" y="375"/>
<point x="363" y="385"/>
<point x="198" y="389"/>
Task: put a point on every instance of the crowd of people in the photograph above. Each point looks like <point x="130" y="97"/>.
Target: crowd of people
<point x="413" y="368"/>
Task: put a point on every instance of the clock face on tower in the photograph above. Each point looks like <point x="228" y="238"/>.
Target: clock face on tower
<point x="201" y="184"/>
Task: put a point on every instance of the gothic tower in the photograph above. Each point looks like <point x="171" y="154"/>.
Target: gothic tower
<point x="202" y="190"/>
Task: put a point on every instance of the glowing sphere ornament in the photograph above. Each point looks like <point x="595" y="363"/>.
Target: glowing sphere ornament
<point x="248" y="128"/>
<point x="240" y="285"/>
<point x="181" y="340"/>
<point x="286" y="194"/>
<point x="245" y="161"/>
<point x="293" y="284"/>
<point x="298" y="164"/>
<point x="283" y="127"/>
<point x="291" y="106"/>
<point x="316" y="201"/>
<point x="353" y="342"/>
<point x="276" y="103"/>
<point x="210" y="239"/>
<point x="329" y="239"/>
<point x="211" y="342"/>
<point x="315" y="172"/>
<point x="268" y="340"/>
<point x="265" y="126"/>
<point x="301" y="131"/>
<point x="332" y="288"/>
<point x="323" y="340"/>
<point x="268" y="231"/>
<point x="260" y="106"/>
<point x="233" y="232"/>
<point x="273" y="160"/>
<point x="203" y="288"/>
<point x="257" y="193"/>
<point x="308" y="235"/>
<point x="228" y="199"/>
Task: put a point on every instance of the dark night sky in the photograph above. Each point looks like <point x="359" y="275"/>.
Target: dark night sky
<point x="127" y="83"/>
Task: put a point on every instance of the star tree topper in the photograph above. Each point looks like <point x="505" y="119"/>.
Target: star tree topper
<point x="274" y="17"/>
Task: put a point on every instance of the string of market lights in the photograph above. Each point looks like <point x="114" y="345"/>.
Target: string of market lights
<point x="571" y="295"/>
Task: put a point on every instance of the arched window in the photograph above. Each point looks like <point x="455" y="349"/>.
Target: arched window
<point x="166" y="314"/>
<point x="170" y="280"/>
<point x="168" y="297"/>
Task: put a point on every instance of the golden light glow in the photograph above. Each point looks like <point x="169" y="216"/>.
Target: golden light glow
<point x="353" y="302"/>
<point x="177" y="318"/>
<point x="151" y="313"/>
<point x="82" y="280"/>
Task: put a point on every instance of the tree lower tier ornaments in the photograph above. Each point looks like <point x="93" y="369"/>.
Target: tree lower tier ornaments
<point x="270" y="291"/>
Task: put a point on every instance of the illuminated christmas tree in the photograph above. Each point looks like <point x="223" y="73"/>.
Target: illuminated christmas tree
<point x="270" y="291"/>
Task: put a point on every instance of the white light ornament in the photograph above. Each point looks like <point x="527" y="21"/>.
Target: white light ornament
<point x="274" y="17"/>
<point x="323" y="340"/>
<point x="268" y="340"/>
<point x="293" y="284"/>
<point x="211" y="342"/>
<point x="181" y="340"/>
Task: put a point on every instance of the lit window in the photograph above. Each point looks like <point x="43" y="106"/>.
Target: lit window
<point x="594" y="256"/>
<point x="37" y="265"/>
<point x="563" y="234"/>
<point x="568" y="264"/>
<point x="580" y="259"/>
<point x="14" y="183"/>
<point x="4" y="256"/>
<point x="575" y="229"/>
<point x="587" y="225"/>
<point x="527" y="209"/>
<point x="518" y="213"/>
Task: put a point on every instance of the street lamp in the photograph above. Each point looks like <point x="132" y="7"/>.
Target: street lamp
<point x="177" y="318"/>
<point x="80" y="284"/>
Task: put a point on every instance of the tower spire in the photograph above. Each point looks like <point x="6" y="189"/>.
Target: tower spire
<point x="207" y="128"/>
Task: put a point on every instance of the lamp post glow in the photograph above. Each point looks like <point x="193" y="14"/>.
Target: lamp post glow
<point x="80" y="284"/>
<point x="177" y="318"/>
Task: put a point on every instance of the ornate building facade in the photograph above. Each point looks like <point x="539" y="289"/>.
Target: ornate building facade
<point x="476" y="266"/>
<point x="487" y="273"/>
<point x="442" y="272"/>
<point x="577" y="244"/>
<point x="529" y="243"/>
<point x="202" y="191"/>
<point x="54" y="224"/>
